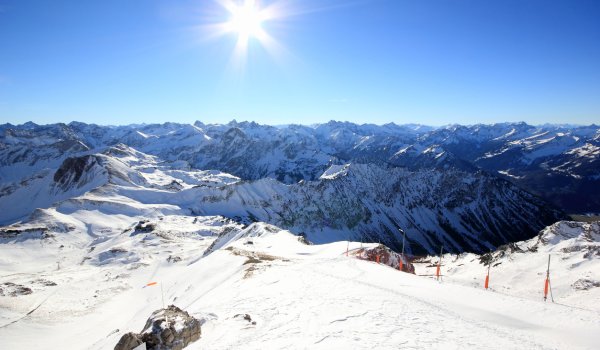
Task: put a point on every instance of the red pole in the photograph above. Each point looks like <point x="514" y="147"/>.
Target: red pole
<point x="487" y="277"/>
<point x="377" y="258"/>
<point x="401" y="265"/>
<point x="547" y="280"/>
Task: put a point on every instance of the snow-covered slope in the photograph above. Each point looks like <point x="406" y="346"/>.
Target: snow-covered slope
<point x="459" y="209"/>
<point x="559" y="163"/>
<point x="520" y="268"/>
<point x="84" y="289"/>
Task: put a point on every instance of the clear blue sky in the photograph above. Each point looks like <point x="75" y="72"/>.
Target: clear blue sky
<point x="425" y="61"/>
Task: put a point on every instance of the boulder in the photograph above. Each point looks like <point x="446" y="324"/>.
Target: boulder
<point x="166" y="329"/>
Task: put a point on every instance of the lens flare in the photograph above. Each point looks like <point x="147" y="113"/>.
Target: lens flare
<point x="246" y="20"/>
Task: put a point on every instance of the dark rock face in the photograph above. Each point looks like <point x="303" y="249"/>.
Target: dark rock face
<point x="453" y="208"/>
<point x="72" y="169"/>
<point x="166" y="329"/>
<point x="14" y="232"/>
<point x="129" y="341"/>
<point x="144" y="226"/>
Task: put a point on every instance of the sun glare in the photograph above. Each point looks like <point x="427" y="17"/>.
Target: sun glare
<point x="246" y="19"/>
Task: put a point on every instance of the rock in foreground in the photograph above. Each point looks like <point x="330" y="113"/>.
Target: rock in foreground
<point x="166" y="329"/>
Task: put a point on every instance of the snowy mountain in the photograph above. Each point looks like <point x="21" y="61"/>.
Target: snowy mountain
<point x="99" y="237"/>
<point x="464" y="211"/>
<point x="559" y="163"/>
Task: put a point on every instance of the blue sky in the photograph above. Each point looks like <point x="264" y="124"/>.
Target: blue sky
<point x="405" y="61"/>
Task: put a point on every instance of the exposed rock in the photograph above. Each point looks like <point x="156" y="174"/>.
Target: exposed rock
<point x="384" y="255"/>
<point x="44" y="282"/>
<point x="144" y="226"/>
<point x="173" y="259"/>
<point x="129" y="341"/>
<point x="246" y="317"/>
<point x="24" y="232"/>
<point x="72" y="170"/>
<point x="302" y="239"/>
<point x="585" y="284"/>
<point x="10" y="289"/>
<point x="166" y="329"/>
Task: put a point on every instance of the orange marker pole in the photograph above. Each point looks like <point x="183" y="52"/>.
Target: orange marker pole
<point x="487" y="277"/>
<point x="401" y="265"/>
<point x="547" y="283"/>
<point x="377" y="258"/>
<point x="437" y="272"/>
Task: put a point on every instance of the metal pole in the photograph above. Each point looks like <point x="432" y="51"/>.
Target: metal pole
<point x="402" y="255"/>
<point x="403" y="235"/>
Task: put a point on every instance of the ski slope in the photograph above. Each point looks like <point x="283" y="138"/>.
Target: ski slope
<point x="299" y="296"/>
<point x="520" y="268"/>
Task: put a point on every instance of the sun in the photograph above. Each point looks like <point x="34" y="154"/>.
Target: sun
<point x="246" y="20"/>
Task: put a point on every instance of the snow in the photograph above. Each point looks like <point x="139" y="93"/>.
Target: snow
<point x="85" y="247"/>
<point x="572" y="248"/>
<point x="335" y="171"/>
<point x="300" y="296"/>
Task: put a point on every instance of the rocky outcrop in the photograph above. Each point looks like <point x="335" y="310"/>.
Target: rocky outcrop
<point x="13" y="290"/>
<point x="73" y="169"/>
<point x="384" y="255"/>
<point x="166" y="329"/>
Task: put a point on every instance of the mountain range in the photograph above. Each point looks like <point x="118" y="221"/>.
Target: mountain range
<point x="468" y="188"/>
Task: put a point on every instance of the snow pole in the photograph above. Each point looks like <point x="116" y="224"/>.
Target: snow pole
<point x="402" y="255"/>
<point x="547" y="285"/>
<point x="487" y="278"/>
<point x="437" y="271"/>
<point x="347" y="247"/>
<point x="377" y="258"/>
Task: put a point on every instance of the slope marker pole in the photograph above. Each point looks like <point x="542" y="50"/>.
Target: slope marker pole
<point x="547" y="283"/>
<point x="437" y="272"/>
<point x="487" y="278"/>
<point x="402" y="255"/>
